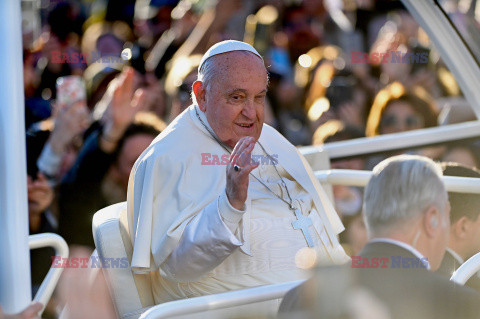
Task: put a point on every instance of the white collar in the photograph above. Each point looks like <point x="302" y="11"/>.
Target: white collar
<point x="455" y="255"/>
<point x="203" y="116"/>
<point x="403" y="245"/>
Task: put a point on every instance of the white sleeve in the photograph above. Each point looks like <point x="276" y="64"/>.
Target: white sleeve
<point x="207" y="240"/>
<point x="230" y="215"/>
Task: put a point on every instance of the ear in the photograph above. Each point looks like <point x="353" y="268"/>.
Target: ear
<point x="200" y="95"/>
<point x="431" y="220"/>
<point x="461" y="227"/>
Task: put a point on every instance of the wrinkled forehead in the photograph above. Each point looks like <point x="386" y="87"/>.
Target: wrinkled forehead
<point x="235" y="58"/>
<point x="232" y="62"/>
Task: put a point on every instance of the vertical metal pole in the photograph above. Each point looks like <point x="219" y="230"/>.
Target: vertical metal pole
<point x="15" y="290"/>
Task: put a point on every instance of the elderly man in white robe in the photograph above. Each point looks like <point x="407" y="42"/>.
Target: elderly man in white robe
<point x="203" y="217"/>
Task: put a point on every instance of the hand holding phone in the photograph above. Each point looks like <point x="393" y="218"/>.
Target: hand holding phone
<point x="70" y="89"/>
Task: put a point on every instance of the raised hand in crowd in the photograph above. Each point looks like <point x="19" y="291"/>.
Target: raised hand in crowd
<point x="71" y="121"/>
<point x="125" y="103"/>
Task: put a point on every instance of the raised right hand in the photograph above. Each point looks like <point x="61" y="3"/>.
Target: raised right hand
<point x="237" y="181"/>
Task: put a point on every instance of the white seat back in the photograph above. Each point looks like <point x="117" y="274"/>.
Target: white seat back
<point x="131" y="293"/>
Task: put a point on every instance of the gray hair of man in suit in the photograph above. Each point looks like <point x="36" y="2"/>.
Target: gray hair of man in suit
<point x="406" y="200"/>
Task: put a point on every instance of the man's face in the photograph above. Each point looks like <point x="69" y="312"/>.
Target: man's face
<point x="235" y="99"/>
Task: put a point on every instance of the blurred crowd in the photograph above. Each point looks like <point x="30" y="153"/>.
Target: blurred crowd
<point x="139" y="59"/>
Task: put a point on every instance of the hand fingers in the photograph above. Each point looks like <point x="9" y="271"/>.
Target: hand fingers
<point x="79" y="106"/>
<point x="41" y="177"/>
<point x="39" y="190"/>
<point x="41" y="184"/>
<point x="32" y="310"/>
<point x="80" y="117"/>
<point x="239" y="145"/>
<point x="117" y="92"/>
<point x="245" y="157"/>
<point x="58" y="107"/>
<point x="139" y="99"/>
<point x="42" y="181"/>
<point x="249" y="167"/>
<point x="40" y="197"/>
<point x="127" y="85"/>
<point x="74" y="107"/>
<point x="242" y="151"/>
<point x="123" y="87"/>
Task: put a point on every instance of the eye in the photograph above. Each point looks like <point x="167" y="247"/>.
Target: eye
<point x="237" y="97"/>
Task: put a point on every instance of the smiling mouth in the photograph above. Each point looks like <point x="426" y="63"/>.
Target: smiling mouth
<point x="245" y="125"/>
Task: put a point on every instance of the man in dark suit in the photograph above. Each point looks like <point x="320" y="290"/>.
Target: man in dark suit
<point x="406" y="212"/>
<point x="464" y="239"/>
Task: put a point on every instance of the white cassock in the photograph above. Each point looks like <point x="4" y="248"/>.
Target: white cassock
<point x="181" y="223"/>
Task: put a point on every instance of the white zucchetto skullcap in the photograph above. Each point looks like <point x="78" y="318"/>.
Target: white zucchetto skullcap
<point x="227" y="46"/>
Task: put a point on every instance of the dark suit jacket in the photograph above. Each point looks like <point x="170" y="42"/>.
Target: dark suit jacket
<point x="450" y="265"/>
<point x="412" y="292"/>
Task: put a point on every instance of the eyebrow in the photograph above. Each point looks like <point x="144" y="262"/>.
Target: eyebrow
<point x="245" y="91"/>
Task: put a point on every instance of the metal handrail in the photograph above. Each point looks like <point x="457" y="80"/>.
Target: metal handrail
<point x="360" y="178"/>
<point x="396" y="141"/>
<point x="51" y="279"/>
<point x="219" y="301"/>
<point x="467" y="270"/>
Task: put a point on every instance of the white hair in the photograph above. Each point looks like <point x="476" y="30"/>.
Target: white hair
<point x="206" y="74"/>
<point x="208" y="71"/>
<point x="401" y="189"/>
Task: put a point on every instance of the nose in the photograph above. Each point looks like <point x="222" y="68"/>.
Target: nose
<point x="249" y="110"/>
<point x="403" y="126"/>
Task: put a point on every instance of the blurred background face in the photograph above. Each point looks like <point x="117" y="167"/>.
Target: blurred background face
<point x="400" y="116"/>
<point x="235" y="99"/>
<point x="131" y="150"/>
